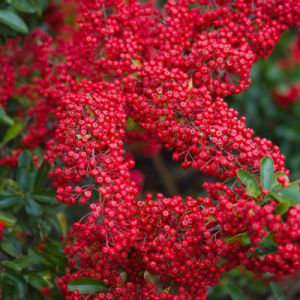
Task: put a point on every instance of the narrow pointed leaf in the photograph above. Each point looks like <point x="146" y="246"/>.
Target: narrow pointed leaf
<point x="13" y="21"/>
<point x="62" y="221"/>
<point x="266" y="172"/>
<point x="32" y="207"/>
<point x="9" y="247"/>
<point x="45" y="197"/>
<point x="5" y="119"/>
<point x="8" y="199"/>
<point x="13" y="132"/>
<point x="41" y="177"/>
<point x="87" y="285"/>
<point x="25" y="173"/>
<point x="277" y="292"/>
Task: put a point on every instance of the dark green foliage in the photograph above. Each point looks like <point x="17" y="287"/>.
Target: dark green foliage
<point x="19" y="17"/>
<point x="31" y="252"/>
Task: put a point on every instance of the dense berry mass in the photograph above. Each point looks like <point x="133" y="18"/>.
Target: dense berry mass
<point x="167" y="71"/>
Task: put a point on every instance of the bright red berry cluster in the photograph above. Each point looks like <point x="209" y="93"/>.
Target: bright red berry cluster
<point x="167" y="72"/>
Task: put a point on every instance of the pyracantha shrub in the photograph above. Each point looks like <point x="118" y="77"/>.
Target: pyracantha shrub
<point x="132" y="72"/>
<point x="291" y="94"/>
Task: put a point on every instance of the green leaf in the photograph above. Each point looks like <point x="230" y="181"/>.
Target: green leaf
<point x="8" y="292"/>
<point x="38" y="258"/>
<point x="31" y="206"/>
<point x="10" y="247"/>
<point x="62" y="221"/>
<point x="290" y="194"/>
<point x="25" y="160"/>
<point x="250" y="182"/>
<point x="13" y="21"/>
<point x="277" y="292"/>
<point x="235" y="292"/>
<point x="282" y="208"/>
<point x="25" y="173"/>
<point x="8" y="199"/>
<point x="7" y="218"/>
<point x="136" y="62"/>
<point x="13" y="284"/>
<point x="13" y="131"/>
<point x="10" y="183"/>
<point x="36" y="281"/>
<point x="23" y="261"/>
<point x="10" y="265"/>
<point x="7" y="282"/>
<point x="42" y="3"/>
<point x="87" y="285"/>
<point x="123" y="277"/>
<point x="45" y="197"/>
<point x="5" y="119"/>
<point x="19" y="263"/>
<point x="21" y="287"/>
<point x="26" y="6"/>
<point x="266" y="172"/>
<point x="267" y="246"/>
<point x="56" y="258"/>
<point x="41" y="177"/>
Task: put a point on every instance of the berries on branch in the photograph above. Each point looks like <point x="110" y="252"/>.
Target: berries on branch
<point x="167" y="71"/>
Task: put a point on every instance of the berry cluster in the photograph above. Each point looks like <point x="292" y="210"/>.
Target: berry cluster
<point x="166" y="72"/>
